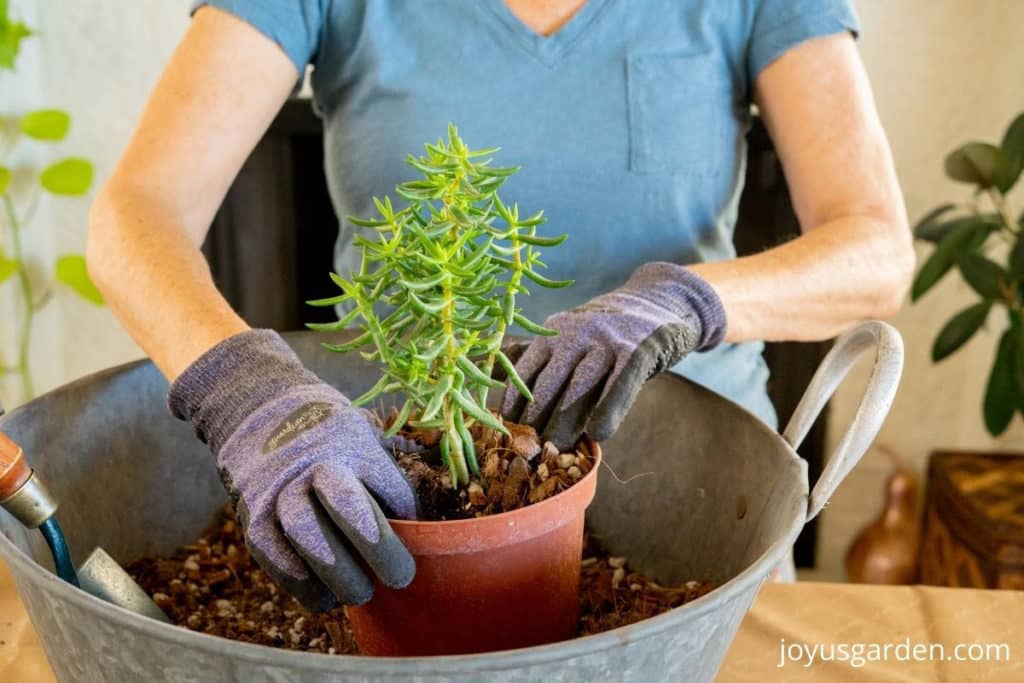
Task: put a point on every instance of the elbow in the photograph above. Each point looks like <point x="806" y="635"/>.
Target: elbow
<point x="101" y="245"/>
<point x="894" y="279"/>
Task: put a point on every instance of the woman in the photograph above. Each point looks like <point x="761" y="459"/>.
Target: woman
<point x="628" y="119"/>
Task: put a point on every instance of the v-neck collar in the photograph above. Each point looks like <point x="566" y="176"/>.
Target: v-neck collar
<point x="547" y="49"/>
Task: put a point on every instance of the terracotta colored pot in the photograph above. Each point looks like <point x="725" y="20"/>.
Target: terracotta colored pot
<point x="491" y="583"/>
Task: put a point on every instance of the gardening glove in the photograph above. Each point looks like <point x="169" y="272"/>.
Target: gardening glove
<point x="304" y="468"/>
<point x="586" y="378"/>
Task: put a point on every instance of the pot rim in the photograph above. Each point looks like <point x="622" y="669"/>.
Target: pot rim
<point x="542" y="515"/>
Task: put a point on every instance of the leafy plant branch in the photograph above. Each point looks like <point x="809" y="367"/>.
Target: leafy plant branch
<point x="71" y="176"/>
<point x="963" y="236"/>
<point x="436" y="292"/>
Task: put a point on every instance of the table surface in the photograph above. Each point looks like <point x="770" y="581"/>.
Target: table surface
<point x="829" y="618"/>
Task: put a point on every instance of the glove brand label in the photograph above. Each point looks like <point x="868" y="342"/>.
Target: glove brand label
<point x="298" y="421"/>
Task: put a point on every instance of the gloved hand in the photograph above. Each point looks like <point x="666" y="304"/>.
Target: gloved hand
<point x="586" y="378"/>
<point x="300" y="463"/>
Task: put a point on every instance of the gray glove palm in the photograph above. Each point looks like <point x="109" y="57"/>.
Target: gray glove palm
<point x="303" y="467"/>
<point x="586" y="378"/>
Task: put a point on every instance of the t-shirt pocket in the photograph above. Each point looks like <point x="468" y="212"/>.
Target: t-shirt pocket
<point x="675" y="118"/>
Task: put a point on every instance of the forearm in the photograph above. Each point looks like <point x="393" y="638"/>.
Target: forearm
<point x="848" y="269"/>
<point x="156" y="280"/>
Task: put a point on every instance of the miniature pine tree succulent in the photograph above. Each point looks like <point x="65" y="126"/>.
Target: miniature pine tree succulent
<point x="447" y="269"/>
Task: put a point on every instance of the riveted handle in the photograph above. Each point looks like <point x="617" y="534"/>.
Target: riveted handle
<point x="874" y="405"/>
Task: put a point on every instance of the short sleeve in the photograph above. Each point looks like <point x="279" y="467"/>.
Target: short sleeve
<point x="295" y="25"/>
<point x="782" y="24"/>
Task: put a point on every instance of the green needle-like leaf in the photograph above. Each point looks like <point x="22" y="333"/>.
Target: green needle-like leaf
<point x="533" y="327"/>
<point x="400" y="419"/>
<point x="513" y="376"/>
<point x="357" y="343"/>
<point x="5" y="179"/>
<point x="539" y="241"/>
<point x="468" y="448"/>
<point x="441" y="391"/>
<point x="477" y="413"/>
<point x="383" y="385"/>
<point x="471" y="370"/>
<point x="545" y="282"/>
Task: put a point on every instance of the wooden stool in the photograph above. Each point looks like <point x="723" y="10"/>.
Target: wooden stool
<point x="974" y="521"/>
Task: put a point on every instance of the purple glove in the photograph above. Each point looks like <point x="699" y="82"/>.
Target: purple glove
<point x="303" y="467"/>
<point x="586" y="378"/>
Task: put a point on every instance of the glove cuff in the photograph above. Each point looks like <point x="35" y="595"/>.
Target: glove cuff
<point x="685" y="294"/>
<point x="231" y="380"/>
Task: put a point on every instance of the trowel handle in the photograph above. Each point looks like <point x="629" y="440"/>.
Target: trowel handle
<point x="14" y="471"/>
<point x="21" y="492"/>
<point x="887" y="345"/>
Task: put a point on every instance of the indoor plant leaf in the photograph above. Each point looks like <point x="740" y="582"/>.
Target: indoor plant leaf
<point x="5" y="179"/>
<point x="1013" y="150"/>
<point x="1016" y="259"/>
<point x="929" y="228"/>
<point x="960" y="328"/>
<point x="8" y="267"/>
<point x="11" y="34"/>
<point x="45" y="124"/>
<point x="979" y="163"/>
<point x="935" y="231"/>
<point x="71" y="176"/>
<point x="1017" y="330"/>
<point x="970" y="232"/>
<point x="71" y="271"/>
<point x="982" y="274"/>
<point x="1000" y="394"/>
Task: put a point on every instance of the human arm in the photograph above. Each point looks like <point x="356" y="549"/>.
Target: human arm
<point x="304" y="467"/>
<point x="216" y="97"/>
<point x="854" y="259"/>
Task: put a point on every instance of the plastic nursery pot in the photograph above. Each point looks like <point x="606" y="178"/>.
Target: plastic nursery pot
<point x="490" y="583"/>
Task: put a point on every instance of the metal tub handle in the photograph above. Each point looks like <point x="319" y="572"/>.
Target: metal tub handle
<point x="874" y="404"/>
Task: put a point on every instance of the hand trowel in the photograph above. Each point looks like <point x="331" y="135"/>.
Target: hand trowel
<point x="23" y="495"/>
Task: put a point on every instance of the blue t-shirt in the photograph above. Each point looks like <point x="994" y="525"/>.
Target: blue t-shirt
<point x="628" y="122"/>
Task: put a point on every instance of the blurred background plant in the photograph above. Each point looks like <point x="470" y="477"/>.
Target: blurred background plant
<point x="22" y="187"/>
<point x="970" y="237"/>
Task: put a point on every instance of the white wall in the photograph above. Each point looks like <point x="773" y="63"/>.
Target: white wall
<point x="944" y="72"/>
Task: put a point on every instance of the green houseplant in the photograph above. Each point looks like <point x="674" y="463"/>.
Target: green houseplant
<point x="982" y="239"/>
<point x="434" y="296"/>
<point x="65" y="177"/>
<point x="448" y="267"/>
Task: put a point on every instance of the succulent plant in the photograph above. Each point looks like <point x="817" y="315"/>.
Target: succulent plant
<point x="436" y="292"/>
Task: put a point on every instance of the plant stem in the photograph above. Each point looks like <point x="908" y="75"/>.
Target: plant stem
<point x="27" y="301"/>
<point x="999" y="201"/>
<point x="459" y="471"/>
<point x="513" y="285"/>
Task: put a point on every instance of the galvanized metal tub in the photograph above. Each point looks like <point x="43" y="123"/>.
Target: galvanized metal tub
<point x="696" y="488"/>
